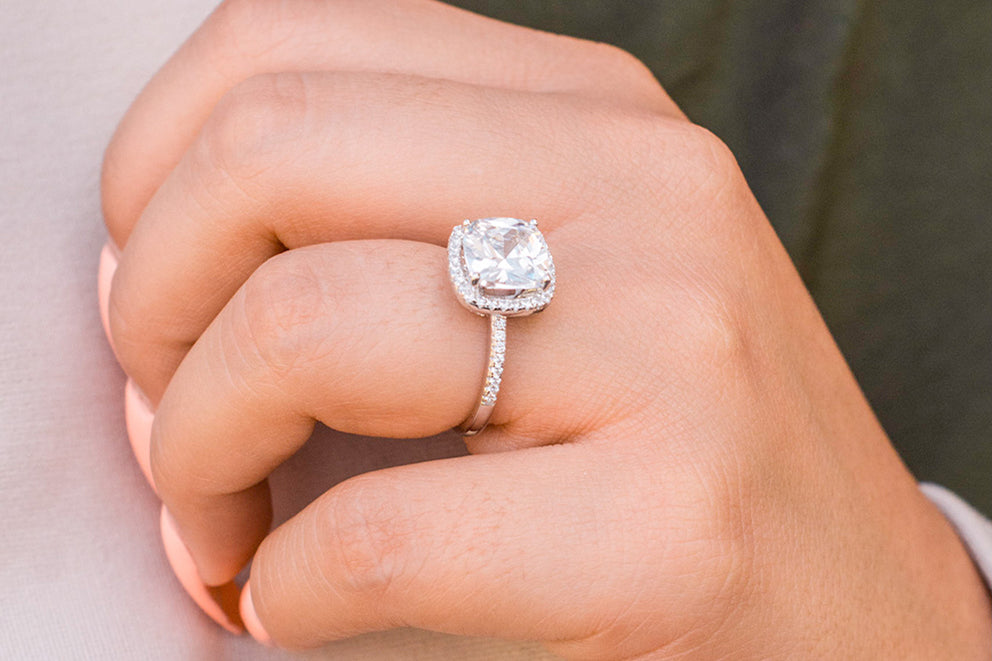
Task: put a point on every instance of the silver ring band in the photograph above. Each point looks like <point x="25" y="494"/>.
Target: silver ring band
<point x="479" y="418"/>
<point x="499" y="267"/>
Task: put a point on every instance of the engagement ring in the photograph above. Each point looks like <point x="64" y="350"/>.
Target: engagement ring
<point x="499" y="267"/>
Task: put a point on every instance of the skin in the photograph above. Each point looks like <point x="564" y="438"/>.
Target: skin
<point x="680" y="465"/>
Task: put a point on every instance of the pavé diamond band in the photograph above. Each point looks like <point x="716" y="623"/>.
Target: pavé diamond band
<point x="499" y="267"/>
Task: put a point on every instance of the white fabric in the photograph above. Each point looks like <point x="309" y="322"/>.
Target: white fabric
<point x="82" y="572"/>
<point x="973" y="528"/>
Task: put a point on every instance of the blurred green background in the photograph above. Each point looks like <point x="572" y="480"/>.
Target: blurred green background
<point x="865" y="131"/>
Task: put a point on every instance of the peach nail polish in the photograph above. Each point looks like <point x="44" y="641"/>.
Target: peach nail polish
<point x="105" y="275"/>
<point x="220" y="603"/>
<point x="138" y="416"/>
<point x="250" y="618"/>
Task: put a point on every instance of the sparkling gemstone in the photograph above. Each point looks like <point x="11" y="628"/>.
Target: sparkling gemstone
<point x="506" y="257"/>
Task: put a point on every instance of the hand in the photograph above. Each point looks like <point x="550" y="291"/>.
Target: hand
<point x="680" y="463"/>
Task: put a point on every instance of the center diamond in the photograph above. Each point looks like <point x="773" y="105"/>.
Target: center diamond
<point x="506" y="257"/>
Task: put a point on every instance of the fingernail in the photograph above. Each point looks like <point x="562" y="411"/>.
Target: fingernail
<point x="105" y="275"/>
<point x="220" y="603"/>
<point x="250" y="618"/>
<point x="138" y="417"/>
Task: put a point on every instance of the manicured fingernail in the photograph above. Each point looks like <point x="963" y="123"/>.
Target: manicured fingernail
<point x="138" y="416"/>
<point x="220" y="603"/>
<point x="105" y="275"/>
<point x="250" y="618"/>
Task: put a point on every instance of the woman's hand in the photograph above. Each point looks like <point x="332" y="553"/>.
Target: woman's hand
<point x="680" y="464"/>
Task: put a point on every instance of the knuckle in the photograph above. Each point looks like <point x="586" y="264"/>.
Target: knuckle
<point x="713" y="331"/>
<point x="717" y="539"/>
<point x="624" y="63"/>
<point x="234" y="31"/>
<point x="730" y="503"/>
<point x="229" y="18"/>
<point x="621" y="70"/>
<point x="115" y="193"/>
<point x="124" y="325"/>
<point x="252" y="125"/>
<point x="241" y="34"/>
<point x="710" y="166"/>
<point x="169" y="469"/>
<point x="685" y="162"/>
<point x="283" y="305"/>
<point x="135" y="326"/>
<point x="370" y="538"/>
<point x="660" y="160"/>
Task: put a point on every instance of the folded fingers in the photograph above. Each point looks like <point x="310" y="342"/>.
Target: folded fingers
<point x="210" y="226"/>
<point x="439" y="154"/>
<point x="293" y="160"/>
<point x="364" y="336"/>
<point x="573" y="545"/>
<point x="244" y="38"/>
<point x="486" y="545"/>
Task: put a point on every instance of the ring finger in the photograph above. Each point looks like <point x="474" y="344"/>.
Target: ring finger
<point x="364" y="336"/>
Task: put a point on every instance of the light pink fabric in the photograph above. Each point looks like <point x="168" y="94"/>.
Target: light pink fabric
<point x="83" y="574"/>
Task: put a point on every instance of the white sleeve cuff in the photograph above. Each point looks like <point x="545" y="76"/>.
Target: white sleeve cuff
<point x="973" y="528"/>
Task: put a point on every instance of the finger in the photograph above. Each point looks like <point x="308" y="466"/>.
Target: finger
<point x="243" y="38"/>
<point x="364" y="336"/>
<point x="219" y="603"/>
<point x="296" y="160"/>
<point x="399" y="547"/>
<point x="138" y="413"/>
<point x="109" y="258"/>
<point x="139" y="417"/>
<point x="137" y="410"/>
<point x="525" y="545"/>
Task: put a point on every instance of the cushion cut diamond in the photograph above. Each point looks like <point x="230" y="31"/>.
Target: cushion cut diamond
<point x="506" y="257"/>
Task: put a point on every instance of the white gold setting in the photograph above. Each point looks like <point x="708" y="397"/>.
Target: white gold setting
<point x="517" y="302"/>
<point x="499" y="267"/>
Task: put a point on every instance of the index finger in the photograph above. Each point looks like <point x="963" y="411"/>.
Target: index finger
<point x="244" y="38"/>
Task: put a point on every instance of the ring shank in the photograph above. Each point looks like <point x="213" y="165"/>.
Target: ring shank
<point x="476" y="422"/>
<point x="479" y="418"/>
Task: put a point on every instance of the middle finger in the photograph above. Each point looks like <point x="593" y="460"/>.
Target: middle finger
<point x="296" y="159"/>
<point x="244" y="38"/>
<point x="368" y="338"/>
